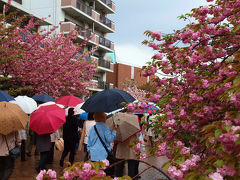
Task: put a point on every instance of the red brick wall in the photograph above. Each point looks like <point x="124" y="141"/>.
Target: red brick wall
<point x="140" y="80"/>
<point x="122" y="73"/>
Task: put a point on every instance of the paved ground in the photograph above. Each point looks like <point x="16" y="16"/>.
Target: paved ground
<point x="26" y="170"/>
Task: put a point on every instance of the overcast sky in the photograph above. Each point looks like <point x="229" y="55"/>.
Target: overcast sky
<point x="133" y="17"/>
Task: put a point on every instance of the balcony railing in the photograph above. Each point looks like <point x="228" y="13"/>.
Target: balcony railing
<point x="103" y="85"/>
<point x="105" y="21"/>
<point x="86" y="9"/>
<point x="107" y="2"/>
<point x="104" y="42"/>
<point x="84" y="32"/>
<point x="103" y="63"/>
<point x="18" y="1"/>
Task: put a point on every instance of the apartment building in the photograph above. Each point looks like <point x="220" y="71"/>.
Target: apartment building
<point x="87" y="16"/>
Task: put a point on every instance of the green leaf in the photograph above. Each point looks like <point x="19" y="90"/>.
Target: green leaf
<point x="218" y="149"/>
<point x="228" y="128"/>
<point x="218" y="132"/>
<point x="208" y="171"/>
<point x="238" y="141"/>
<point x="219" y="163"/>
<point x="166" y="166"/>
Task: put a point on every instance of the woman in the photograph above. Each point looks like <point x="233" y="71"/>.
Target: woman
<point x="94" y="145"/>
<point x="7" y="143"/>
<point x="84" y="138"/>
<point x="70" y="136"/>
<point x="42" y="147"/>
<point x="54" y="137"/>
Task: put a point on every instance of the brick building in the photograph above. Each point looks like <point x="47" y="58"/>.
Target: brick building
<point x="123" y="73"/>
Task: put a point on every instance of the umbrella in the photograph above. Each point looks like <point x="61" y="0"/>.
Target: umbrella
<point x="78" y="110"/>
<point x="47" y="119"/>
<point x="12" y="118"/>
<point x="50" y="103"/>
<point x="128" y="125"/>
<point x="69" y="101"/>
<point x="5" y="96"/>
<point x="151" y="109"/>
<point x="107" y="101"/>
<point x="27" y="104"/>
<point x="42" y="98"/>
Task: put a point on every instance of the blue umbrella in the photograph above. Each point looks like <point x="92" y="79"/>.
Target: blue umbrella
<point x="42" y="98"/>
<point x="5" y="96"/>
<point x="84" y="116"/>
<point x="107" y="101"/>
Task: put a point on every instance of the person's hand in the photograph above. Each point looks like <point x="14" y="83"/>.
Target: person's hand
<point x="115" y="127"/>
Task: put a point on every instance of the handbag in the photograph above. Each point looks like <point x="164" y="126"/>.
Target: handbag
<point x="111" y="157"/>
<point x="15" y="152"/>
<point x="59" y="143"/>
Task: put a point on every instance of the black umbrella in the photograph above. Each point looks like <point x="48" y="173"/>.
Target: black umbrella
<point x="42" y="98"/>
<point x="107" y="101"/>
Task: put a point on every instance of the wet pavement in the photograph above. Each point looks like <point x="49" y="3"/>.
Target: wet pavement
<point x="26" y="170"/>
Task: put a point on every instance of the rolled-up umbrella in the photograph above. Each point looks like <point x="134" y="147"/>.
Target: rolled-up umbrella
<point x="47" y="119"/>
<point x="107" y="101"/>
<point x="70" y="101"/>
<point x="4" y="96"/>
<point x="12" y="118"/>
<point x="27" y="104"/>
<point x="42" y="98"/>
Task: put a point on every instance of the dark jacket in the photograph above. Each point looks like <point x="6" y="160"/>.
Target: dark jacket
<point x="70" y="129"/>
<point x="43" y="142"/>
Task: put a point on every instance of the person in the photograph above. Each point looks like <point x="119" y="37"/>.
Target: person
<point x="43" y="147"/>
<point x="123" y="151"/>
<point x="30" y="141"/>
<point x="7" y="143"/>
<point x="70" y="136"/>
<point x="84" y="138"/>
<point x="23" y="137"/>
<point x="94" y="145"/>
<point x="53" y="137"/>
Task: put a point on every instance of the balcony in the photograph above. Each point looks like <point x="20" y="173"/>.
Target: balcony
<point x="107" y="6"/>
<point x="106" y="21"/>
<point x="18" y="1"/>
<point x="79" y="10"/>
<point x="103" y="85"/>
<point x="83" y="32"/>
<point x="103" y="43"/>
<point x="103" y="63"/>
<point x="84" y="8"/>
<point x="107" y="2"/>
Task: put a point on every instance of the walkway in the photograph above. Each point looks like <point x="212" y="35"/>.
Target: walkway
<point x="26" y="170"/>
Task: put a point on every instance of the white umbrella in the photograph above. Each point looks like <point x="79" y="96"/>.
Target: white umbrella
<point x="27" y="104"/>
<point x="77" y="110"/>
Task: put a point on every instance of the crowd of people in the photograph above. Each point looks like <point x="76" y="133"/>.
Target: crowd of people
<point x="92" y="136"/>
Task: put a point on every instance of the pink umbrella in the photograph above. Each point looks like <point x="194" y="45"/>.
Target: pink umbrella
<point x="71" y="101"/>
<point x="47" y="119"/>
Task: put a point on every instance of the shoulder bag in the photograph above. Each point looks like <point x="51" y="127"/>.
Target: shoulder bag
<point x="111" y="157"/>
<point x="15" y="152"/>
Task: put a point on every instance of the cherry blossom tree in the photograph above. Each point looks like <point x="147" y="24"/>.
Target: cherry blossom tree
<point x="199" y="122"/>
<point x="44" y="61"/>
